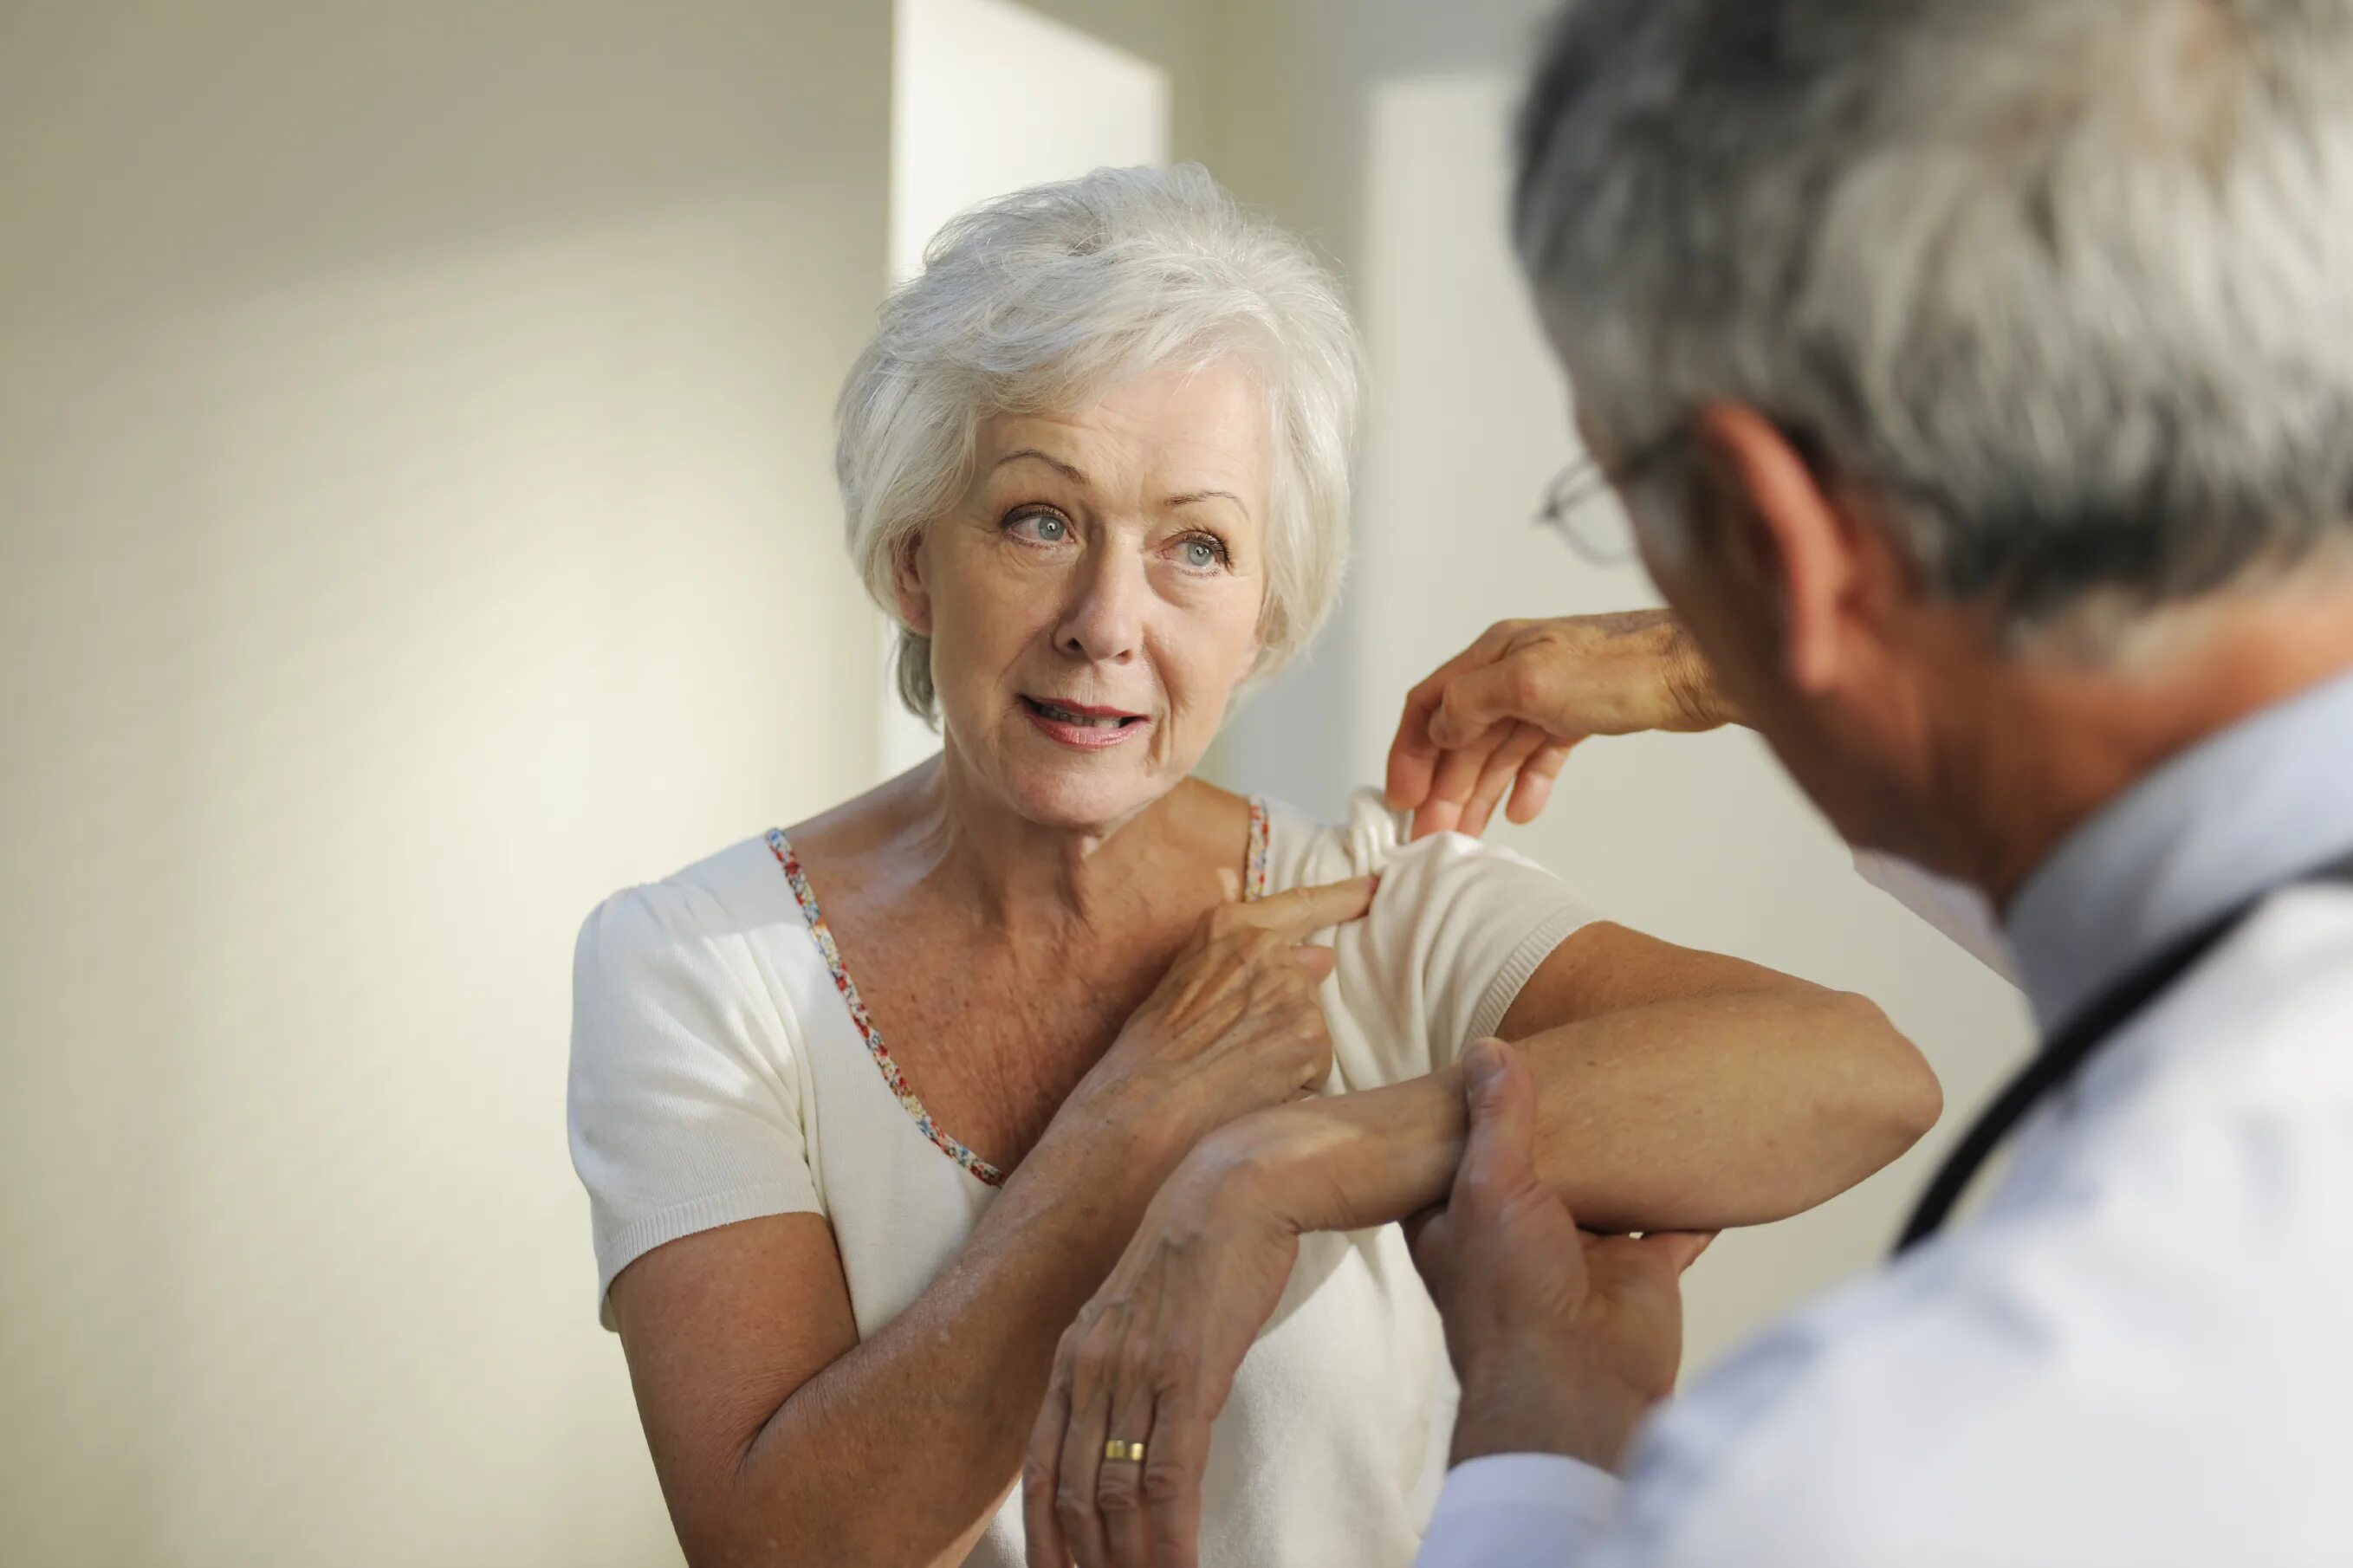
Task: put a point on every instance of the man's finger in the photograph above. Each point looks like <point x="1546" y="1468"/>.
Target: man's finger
<point x="1302" y="911"/>
<point x="1430" y="1237"/>
<point x="1627" y="1266"/>
<point x="1499" y="1158"/>
<point x="1457" y="775"/>
<point x="1418" y="1224"/>
<point x="1537" y="775"/>
<point x="1501" y="769"/>
<point x="1681" y="1248"/>
<point x="1413" y="756"/>
<point x="1478" y="700"/>
<point x="1317" y="960"/>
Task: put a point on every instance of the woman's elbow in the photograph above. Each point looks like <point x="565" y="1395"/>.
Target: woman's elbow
<point x="1896" y="1097"/>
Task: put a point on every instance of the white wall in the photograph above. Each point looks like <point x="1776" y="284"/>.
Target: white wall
<point x="1391" y="149"/>
<point x="416" y="519"/>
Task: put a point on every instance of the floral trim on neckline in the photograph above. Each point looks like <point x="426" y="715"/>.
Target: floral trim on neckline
<point x="1261" y="869"/>
<point x="1254" y="886"/>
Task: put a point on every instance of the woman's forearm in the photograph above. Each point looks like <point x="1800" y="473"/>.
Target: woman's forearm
<point x="899" y="1451"/>
<point x="1696" y="1114"/>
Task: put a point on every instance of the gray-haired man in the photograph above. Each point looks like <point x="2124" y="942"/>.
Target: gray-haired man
<point x="1979" y="376"/>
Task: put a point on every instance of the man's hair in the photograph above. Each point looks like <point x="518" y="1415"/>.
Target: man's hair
<point x="2067" y="284"/>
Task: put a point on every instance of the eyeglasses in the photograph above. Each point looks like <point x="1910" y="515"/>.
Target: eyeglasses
<point x="1603" y="535"/>
<point x="1568" y="510"/>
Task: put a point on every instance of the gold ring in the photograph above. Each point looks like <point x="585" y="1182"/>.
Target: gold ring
<point x="1131" y="1452"/>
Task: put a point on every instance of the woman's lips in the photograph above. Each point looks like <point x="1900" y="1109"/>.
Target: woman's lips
<point x="1082" y="727"/>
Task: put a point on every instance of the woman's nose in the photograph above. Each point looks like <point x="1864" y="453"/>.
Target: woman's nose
<point x="1104" y="623"/>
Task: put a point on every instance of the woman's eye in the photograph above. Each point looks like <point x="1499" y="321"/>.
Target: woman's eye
<point x="1042" y="526"/>
<point x="1203" y="553"/>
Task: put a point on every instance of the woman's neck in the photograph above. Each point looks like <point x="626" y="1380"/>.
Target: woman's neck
<point x="967" y="845"/>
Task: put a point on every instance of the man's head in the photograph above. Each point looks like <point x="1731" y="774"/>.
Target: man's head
<point x="1963" y="361"/>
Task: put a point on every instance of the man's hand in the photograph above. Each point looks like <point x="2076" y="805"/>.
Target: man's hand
<point x="1502" y="714"/>
<point x="1561" y="1341"/>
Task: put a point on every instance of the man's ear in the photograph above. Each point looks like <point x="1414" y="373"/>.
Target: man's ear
<point x="1805" y="550"/>
<point x="908" y="587"/>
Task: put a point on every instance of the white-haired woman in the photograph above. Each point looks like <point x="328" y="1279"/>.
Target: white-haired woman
<point x="869" y="1108"/>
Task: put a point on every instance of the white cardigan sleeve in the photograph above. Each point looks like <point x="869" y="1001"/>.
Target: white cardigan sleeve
<point x="684" y="1101"/>
<point x="1457" y="928"/>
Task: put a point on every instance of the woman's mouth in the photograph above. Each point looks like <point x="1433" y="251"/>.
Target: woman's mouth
<point x="1082" y="726"/>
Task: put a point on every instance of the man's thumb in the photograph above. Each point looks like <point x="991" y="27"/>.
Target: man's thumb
<point x="1500" y="1154"/>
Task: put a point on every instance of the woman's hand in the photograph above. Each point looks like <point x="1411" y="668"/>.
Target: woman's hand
<point x="1502" y="714"/>
<point x="1233" y="1027"/>
<point x="1151" y="1360"/>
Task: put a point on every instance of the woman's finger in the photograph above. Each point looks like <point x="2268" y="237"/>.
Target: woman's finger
<point x="1174" y="1469"/>
<point x="1500" y="771"/>
<point x="1119" y="1485"/>
<point x="1080" y="1464"/>
<point x="1041" y="1475"/>
<point x="1300" y="912"/>
<point x="1319" y="962"/>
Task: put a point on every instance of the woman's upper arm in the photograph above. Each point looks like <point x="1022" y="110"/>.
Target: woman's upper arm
<point x="714" y="1259"/>
<point x="720" y="1327"/>
<point x="685" y="1094"/>
<point x="1604" y="967"/>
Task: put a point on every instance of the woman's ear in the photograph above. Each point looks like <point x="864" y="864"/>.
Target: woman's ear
<point x="907" y="586"/>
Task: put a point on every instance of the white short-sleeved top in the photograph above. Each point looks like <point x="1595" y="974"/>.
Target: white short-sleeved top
<point x="722" y="1070"/>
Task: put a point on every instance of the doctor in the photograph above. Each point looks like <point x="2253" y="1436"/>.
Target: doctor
<point x="1979" y="374"/>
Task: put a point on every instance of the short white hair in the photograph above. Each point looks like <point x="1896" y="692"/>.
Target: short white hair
<point x="1045" y="300"/>
<point x="2066" y="284"/>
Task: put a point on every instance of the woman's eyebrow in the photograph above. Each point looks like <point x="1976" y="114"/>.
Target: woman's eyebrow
<point x="1190" y="496"/>
<point x="1052" y="462"/>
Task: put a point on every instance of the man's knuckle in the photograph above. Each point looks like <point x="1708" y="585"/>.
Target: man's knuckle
<point x="1072" y="1504"/>
<point x="1523" y="682"/>
<point x="1116" y="1488"/>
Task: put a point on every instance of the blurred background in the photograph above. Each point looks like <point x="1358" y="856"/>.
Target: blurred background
<point x="416" y="520"/>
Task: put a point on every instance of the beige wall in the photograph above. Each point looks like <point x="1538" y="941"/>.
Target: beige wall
<point x="415" y="521"/>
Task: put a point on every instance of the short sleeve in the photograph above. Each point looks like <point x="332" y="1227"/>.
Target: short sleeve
<point x="685" y="1097"/>
<point x="1458" y="927"/>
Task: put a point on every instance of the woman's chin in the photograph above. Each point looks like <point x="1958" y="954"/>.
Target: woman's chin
<point x="1059" y="799"/>
<point x="1083" y="793"/>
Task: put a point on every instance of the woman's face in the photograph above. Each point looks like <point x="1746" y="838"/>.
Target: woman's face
<point x="1092" y="599"/>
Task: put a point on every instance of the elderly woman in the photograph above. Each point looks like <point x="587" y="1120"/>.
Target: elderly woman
<point x="866" y="1110"/>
